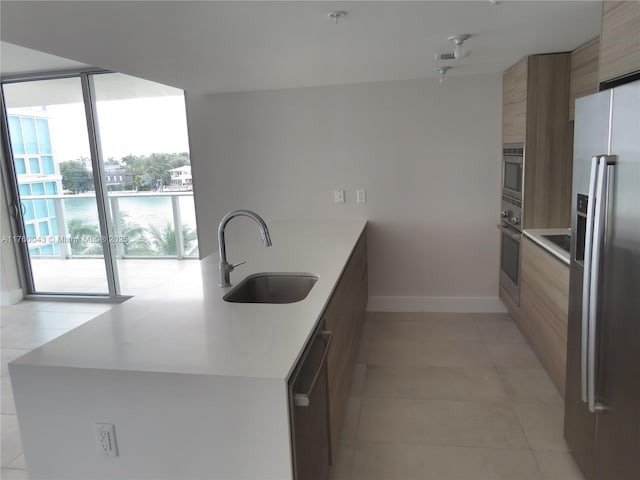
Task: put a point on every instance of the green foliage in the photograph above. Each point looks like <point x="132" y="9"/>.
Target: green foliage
<point x="75" y="176"/>
<point x="137" y="242"/>
<point x="140" y="241"/>
<point x="148" y="169"/>
<point x="83" y="237"/>
<point x="164" y="239"/>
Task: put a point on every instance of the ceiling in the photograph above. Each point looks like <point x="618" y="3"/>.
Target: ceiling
<point x="214" y="47"/>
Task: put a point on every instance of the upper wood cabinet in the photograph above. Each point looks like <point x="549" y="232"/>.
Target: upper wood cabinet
<point x="536" y="112"/>
<point x="514" y="103"/>
<point x="620" y="39"/>
<point x="584" y="73"/>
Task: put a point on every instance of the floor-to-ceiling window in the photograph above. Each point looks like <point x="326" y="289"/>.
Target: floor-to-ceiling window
<point x="100" y="169"/>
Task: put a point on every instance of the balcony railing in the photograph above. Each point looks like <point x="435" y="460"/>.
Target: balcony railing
<point x="141" y="225"/>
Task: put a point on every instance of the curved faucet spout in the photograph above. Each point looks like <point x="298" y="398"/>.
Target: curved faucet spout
<point x="225" y="267"/>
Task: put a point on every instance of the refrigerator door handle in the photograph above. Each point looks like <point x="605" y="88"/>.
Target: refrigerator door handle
<point x="597" y="245"/>
<point x="586" y="282"/>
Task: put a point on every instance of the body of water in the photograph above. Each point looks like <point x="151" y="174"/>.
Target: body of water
<point x="145" y="210"/>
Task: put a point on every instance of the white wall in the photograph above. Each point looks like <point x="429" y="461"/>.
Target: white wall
<point x="10" y="291"/>
<point x="428" y="156"/>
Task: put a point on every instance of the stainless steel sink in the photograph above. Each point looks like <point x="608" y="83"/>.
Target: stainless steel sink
<point x="272" y="288"/>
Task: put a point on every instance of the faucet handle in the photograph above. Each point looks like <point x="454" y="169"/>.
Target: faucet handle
<point x="238" y="264"/>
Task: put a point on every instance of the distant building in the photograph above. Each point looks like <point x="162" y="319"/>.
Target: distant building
<point x="118" y="178"/>
<point x="38" y="175"/>
<point x="181" y="178"/>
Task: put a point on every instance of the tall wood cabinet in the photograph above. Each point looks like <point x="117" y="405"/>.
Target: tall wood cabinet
<point x="620" y="39"/>
<point x="584" y="73"/>
<point x="536" y="112"/>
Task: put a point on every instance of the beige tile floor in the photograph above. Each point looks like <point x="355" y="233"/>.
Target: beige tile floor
<point x="451" y="397"/>
<point x="23" y="327"/>
<point x="434" y="396"/>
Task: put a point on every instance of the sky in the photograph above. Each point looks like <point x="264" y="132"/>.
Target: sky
<point x="138" y="126"/>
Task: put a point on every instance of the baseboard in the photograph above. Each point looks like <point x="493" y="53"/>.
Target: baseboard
<point x="436" y="304"/>
<point x="11" y="297"/>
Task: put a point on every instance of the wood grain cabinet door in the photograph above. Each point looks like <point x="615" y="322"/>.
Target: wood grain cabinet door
<point x="344" y="316"/>
<point x="544" y="308"/>
<point x="584" y="73"/>
<point x="620" y="39"/>
<point x="514" y="103"/>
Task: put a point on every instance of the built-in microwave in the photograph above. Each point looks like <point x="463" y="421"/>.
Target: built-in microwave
<point x="513" y="169"/>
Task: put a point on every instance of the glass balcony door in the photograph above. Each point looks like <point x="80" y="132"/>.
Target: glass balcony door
<point x="62" y="227"/>
<point x="144" y="144"/>
<point x="100" y="182"/>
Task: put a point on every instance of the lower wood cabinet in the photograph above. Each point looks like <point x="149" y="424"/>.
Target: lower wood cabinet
<point x="544" y="307"/>
<point x="319" y="387"/>
<point x="309" y="410"/>
<point x="344" y="317"/>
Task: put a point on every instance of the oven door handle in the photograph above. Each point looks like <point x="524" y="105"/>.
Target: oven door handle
<point x="509" y="232"/>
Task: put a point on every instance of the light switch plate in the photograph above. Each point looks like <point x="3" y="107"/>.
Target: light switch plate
<point x="361" y="195"/>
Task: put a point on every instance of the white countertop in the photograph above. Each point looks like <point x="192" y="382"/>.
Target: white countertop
<point x="536" y="235"/>
<point x="186" y="326"/>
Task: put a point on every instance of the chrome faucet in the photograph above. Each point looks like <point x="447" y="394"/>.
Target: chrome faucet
<point x="225" y="267"/>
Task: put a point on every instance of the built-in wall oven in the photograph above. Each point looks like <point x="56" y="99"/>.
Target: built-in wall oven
<point x="511" y="218"/>
<point x="513" y="169"/>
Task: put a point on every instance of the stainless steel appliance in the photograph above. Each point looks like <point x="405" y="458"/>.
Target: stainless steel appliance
<point x="512" y="169"/>
<point x="510" y="237"/>
<point x="602" y="401"/>
<point x="511" y="218"/>
<point x="309" y="410"/>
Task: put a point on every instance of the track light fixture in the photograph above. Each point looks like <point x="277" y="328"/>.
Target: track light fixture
<point x="337" y="15"/>
<point x="442" y="71"/>
<point x="458" y="39"/>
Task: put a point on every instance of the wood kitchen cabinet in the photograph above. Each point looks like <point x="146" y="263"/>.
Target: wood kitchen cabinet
<point x="584" y="73"/>
<point x="317" y="416"/>
<point x="309" y="410"/>
<point x="344" y="317"/>
<point x="514" y="103"/>
<point x="544" y="308"/>
<point x="536" y="113"/>
<point x="620" y="39"/>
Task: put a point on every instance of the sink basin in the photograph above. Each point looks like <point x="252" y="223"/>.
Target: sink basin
<point x="563" y="241"/>
<point x="272" y="288"/>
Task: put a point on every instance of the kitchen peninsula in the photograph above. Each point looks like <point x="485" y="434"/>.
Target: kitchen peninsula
<point x="196" y="387"/>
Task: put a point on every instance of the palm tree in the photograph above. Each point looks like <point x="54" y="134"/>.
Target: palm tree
<point x="137" y="242"/>
<point x="85" y="237"/>
<point x="164" y="239"/>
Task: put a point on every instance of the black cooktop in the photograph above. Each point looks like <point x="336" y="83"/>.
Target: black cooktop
<point x="563" y="241"/>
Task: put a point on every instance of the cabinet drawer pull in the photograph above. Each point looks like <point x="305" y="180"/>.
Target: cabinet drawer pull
<point x="304" y="399"/>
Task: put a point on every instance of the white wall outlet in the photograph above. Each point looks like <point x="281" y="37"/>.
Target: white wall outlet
<point x="338" y="196"/>
<point x="106" y="439"/>
<point x="361" y="195"/>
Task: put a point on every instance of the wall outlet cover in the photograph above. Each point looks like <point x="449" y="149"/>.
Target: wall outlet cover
<point x="106" y="439"/>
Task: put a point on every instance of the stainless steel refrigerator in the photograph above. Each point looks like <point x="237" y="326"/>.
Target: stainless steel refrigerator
<point x="602" y="403"/>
